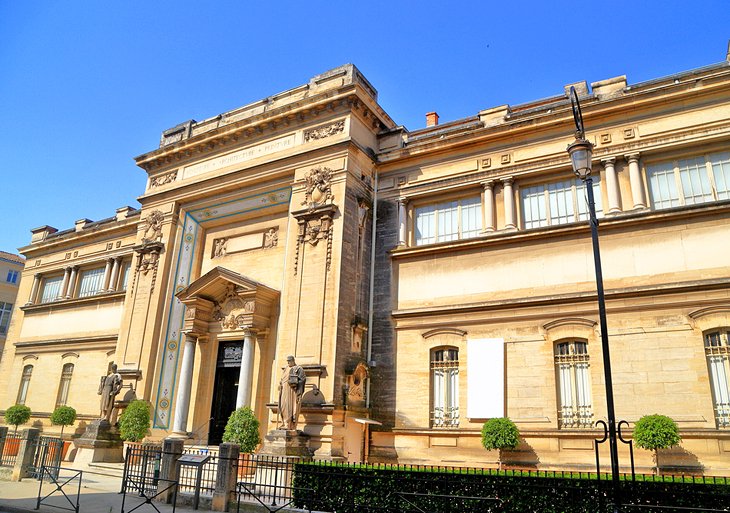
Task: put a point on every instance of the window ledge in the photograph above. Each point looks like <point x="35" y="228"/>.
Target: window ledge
<point x="76" y="301"/>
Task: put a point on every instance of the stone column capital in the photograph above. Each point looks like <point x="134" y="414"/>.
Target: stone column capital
<point x="402" y="200"/>
<point x="488" y="185"/>
<point x="632" y="157"/>
<point x="249" y="331"/>
<point x="507" y="180"/>
<point x="608" y="161"/>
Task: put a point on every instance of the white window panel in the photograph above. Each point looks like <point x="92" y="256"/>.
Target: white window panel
<point x="662" y="185"/>
<point x="721" y="173"/>
<point x="533" y="206"/>
<point x="561" y="202"/>
<point x="51" y="289"/>
<point x="91" y="282"/>
<point x="448" y="221"/>
<point x="125" y="275"/>
<point x="471" y="217"/>
<point x="582" y="198"/>
<point x="425" y="225"/>
<point x="695" y="181"/>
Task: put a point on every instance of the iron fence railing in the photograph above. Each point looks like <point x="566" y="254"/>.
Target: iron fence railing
<point x="11" y="447"/>
<point x="187" y="480"/>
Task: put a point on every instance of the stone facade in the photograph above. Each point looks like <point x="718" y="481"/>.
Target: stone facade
<point x="11" y="269"/>
<point x="424" y="280"/>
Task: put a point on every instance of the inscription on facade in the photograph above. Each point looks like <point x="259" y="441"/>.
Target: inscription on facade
<point x="239" y="156"/>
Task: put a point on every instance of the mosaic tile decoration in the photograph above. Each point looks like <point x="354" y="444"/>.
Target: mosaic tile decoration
<point x="170" y="345"/>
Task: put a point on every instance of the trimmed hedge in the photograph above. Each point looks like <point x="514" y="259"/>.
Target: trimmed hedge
<point x="356" y="489"/>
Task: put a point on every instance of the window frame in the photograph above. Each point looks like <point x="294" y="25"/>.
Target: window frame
<point x="573" y="415"/>
<point x="546" y="202"/>
<point x="461" y="233"/>
<point x="6" y="312"/>
<point x="64" y="384"/>
<point x="721" y="351"/>
<point x="77" y="292"/>
<point x="12" y="276"/>
<point x="44" y="282"/>
<point x="25" y="378"/>
<point x="449" y="417"/>
<point x="673" y="164"/>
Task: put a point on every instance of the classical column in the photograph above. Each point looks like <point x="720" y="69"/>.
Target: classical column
<point x="64" y="283"/>
<point x="245" y="376"/>
<point x="72" y="281"/>
<point x="34" y="289"/>
<point x="637" y="184"/>
<point x="107" y="273"/>
<point x="115" y="273"/>
<point x="509" y="204"/>
<point x="612" y="190"/>
<point x="402" y="202"/>
<point x="182" y="403"/>
<point x="488" y="206"/>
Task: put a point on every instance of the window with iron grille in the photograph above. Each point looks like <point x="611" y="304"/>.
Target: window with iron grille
<point x="51" y="288"/>
<point x="91" y="282"/>
<point x="24" y="384"/>
<point x="65" y="384"/>
<point x="717" y="350"/>
<point x="445" y="387"/>
<point x="574" y="385"/>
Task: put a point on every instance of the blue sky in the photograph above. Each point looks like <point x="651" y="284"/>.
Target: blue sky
<point x="87" y="86"/>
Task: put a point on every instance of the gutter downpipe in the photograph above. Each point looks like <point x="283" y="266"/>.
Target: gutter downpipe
<point x="371" y="298"/>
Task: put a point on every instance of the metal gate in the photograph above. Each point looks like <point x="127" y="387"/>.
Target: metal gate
<point x="47" y="452"/>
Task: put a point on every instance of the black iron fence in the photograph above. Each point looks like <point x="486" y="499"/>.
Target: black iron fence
<point x="142" y="468"/>
<point x="10" y="447"/>
<point x="188" y="474"/>
<point x="47" y="451"/>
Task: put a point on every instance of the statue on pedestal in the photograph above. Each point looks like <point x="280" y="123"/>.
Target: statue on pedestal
<point x="109" y="387"/>
<point x="291" y="389"/>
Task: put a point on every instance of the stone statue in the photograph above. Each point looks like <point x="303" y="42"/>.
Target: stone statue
<point x="109" y="387"/>
<point x="291" y="389"/>
<point x="153" y="232"/>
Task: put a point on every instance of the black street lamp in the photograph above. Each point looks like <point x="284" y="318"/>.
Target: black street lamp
<point x="581" y="152"/>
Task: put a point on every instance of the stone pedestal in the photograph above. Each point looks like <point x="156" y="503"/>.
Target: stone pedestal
<point x="283" y="442"/>
<point x="100" y="442"/>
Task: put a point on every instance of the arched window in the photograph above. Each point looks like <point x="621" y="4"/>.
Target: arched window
<point x="574" y="384"/>
<point x="64" y="385"/>
<point x="717" y="350"/>
<point x="445" y="387"/>
<point x="24" y="384"/>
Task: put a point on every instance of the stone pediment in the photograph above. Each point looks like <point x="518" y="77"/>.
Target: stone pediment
<point x="224" y="300"/>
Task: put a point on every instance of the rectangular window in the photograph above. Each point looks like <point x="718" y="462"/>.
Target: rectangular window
<point x="558" y="203"/>
<point x="12" y="276"/>
<point x="125" y="275"/>
<point x="24" y="384"/>
<point x="717" y="350"/>
<point x="5" y="310"/>
<point x="445" y="383"/>
<point x="91" y="282"/>
<point x="51" y="288"/>
<point x="689" y="181"/>
<point x="574" y="385"/>
<point x="65" y="384"/>
<point x="447" y="221"/>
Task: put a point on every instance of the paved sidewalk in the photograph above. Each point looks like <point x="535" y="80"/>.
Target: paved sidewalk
<point x="99" y="494"/>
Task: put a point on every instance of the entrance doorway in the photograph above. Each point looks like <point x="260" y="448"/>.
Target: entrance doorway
<point x="225" y="389"/>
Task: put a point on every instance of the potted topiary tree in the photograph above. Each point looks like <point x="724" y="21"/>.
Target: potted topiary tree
<point x="134" y="422"/>
<point x="15" y="415"/>
<point x="654" y="432"/>
<point x="242" y="428"/>
<point x="500" y="434"/>
<point x="63" y="416"/>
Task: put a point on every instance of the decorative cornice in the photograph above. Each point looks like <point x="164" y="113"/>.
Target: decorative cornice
<point x="444" y="331"/>
<point x="569" y="321"/>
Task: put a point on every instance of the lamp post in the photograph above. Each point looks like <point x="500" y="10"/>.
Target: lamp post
<point x="581" y="152"/>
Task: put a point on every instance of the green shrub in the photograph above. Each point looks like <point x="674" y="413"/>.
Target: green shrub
<point x="243" y="429"/>
<point x="16" y="415"/>
<point x="135" y="421"/>
<point x="500" y="433"/>
<point x="654" y="432"/>
<point x="63" y="416"/>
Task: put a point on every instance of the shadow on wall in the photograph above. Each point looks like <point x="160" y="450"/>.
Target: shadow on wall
<point x="521" y="457"/>
<point x="679" y="460"/>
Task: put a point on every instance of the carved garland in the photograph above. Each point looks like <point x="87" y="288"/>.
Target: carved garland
<point x="234" y="312"/>
<point x="148" y="252"/>
<point x="157" y="181"/>
<point x="324" y="131"/>
<point x="315" y="223"/>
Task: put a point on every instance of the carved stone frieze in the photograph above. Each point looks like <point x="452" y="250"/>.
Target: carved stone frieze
<point x="315" y="226"/>
<point x="271" y="238"/>
<point x="318" y="188"/>
<point x="219" y="247"/>
<point x="157" y="181"/>
<point x="153" y="229"/>
<point x="234" y="312"/>
<point x="324" y="131"/>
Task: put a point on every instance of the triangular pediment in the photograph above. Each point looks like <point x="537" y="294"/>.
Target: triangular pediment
<point x="216" y="284"/>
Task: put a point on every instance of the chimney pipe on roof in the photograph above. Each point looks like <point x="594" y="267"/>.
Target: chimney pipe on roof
<point x="432" y="119"/>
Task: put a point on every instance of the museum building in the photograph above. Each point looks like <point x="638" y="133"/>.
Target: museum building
<point x="425" y="280"/>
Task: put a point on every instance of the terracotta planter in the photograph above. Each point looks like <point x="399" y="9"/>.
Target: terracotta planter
<point x="246" y="465"/>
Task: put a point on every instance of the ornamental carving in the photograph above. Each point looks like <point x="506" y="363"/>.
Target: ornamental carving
<point x="356" y="384"/>
<point x="219" y="247"/>
<point x="148" y="258"/>
<point x="318" y="188"/>
<point x="157" y="181"/>
<point x="324" y="131"/>
<point x="153" y="230"/>
<point x="271" y="238"/>
<point x="313" y="228"/>
<point x="234" y="312"/>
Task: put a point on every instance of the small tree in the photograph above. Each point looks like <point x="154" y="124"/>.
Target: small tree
<point x="654" y="432"/>
<point x="16" y="415"/>
<point x="63" y="416"/>
<point x="135" y="421"/>
<point x="500" y="434"/>
<point x="243" y="429"/>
